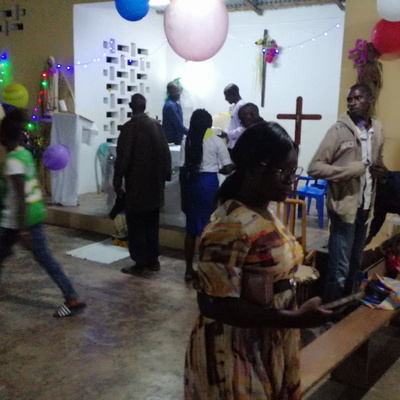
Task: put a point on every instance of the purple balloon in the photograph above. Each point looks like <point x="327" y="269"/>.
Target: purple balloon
<point x="56" y="157"/>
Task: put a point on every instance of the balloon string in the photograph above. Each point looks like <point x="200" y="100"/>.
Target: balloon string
<point x="158" y="48"/>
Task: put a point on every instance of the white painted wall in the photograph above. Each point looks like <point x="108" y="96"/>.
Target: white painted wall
<point x="311" y="71"/>
<point x="93" y="24"/>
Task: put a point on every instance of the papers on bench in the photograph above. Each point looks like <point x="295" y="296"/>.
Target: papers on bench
<point x="392" y="301"/>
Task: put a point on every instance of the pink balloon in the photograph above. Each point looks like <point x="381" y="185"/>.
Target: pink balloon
<point x="196" y="30"/>
<point x="386" y="37"/>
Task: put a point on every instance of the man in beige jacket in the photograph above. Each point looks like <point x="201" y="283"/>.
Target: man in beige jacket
<point x="350" y="159"/>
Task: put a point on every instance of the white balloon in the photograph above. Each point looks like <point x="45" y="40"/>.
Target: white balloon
<point x="196" y="30"/>
<point x="389" y="10"/>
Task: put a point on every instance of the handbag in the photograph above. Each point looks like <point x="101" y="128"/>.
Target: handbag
<point x="257" y="285"/>
<point x="118" y="207"/>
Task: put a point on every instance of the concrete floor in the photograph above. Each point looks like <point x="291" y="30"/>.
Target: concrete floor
<point x="129" y="344"/>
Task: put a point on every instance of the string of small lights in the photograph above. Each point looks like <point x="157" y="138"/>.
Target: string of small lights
<point x="301" y="44"/>
<point x="5" y="72"/>
<point x="42" y="98"/>
<point x="112" y="49"/>
<point x="315" y="37"/>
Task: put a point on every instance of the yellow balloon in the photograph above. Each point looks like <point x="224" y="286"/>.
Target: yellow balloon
<point x="16" y="95"/>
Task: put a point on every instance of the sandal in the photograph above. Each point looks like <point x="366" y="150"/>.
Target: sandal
<point x="70" y="310"/>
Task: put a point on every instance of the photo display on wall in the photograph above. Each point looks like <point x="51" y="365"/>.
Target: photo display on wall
<point x="125" y="73"/>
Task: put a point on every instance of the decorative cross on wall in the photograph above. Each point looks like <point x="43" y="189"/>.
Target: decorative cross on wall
<point x="264" y="69"/>
<point x="298" y="117"/>
<point x="10" y="19"/>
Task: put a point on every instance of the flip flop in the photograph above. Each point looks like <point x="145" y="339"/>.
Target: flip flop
<point x="65" y="311"/>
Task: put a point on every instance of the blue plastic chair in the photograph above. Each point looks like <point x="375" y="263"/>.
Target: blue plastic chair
<point x="317" y="191"/>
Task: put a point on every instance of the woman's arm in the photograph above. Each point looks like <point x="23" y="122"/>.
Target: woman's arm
<point x="242" y="313"/>
<point x="227" y="169"/>
<point x="224" y="158"/>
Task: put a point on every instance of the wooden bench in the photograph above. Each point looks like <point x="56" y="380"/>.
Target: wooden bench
<point x="342" y="350"/>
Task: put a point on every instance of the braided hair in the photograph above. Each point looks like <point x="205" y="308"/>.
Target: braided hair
<point x="200" y="121"/>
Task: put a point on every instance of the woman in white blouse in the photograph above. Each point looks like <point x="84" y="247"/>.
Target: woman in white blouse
<point x="203" y="155"/>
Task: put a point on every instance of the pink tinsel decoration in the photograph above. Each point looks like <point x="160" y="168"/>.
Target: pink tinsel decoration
<point x="271" y="52"/>
<point x="360" y="53"/>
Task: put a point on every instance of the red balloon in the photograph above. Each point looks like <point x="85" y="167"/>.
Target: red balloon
<point x="386" y="36"/>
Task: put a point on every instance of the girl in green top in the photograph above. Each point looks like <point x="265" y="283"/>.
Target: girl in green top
<point x="21" y="207"/>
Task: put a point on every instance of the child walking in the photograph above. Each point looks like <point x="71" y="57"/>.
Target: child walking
<point x="22" y="207"/>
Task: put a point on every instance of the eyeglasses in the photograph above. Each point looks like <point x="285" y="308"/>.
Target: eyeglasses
<point x="294" y="174"/>
<point x="285" y="175"/>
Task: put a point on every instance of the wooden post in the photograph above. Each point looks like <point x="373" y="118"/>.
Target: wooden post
<point x="264" y="69"/>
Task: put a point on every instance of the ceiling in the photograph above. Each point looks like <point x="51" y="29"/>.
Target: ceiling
<point x="258" y="6"/>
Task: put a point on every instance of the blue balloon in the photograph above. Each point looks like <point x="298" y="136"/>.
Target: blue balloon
<point x="132" y="10"/>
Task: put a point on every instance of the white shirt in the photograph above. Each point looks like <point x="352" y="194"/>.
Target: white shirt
<point x="215" y="153"/>
<point x="10" y="211"/>
<point x="235" y="128"/>
<point x="364" y="197"/>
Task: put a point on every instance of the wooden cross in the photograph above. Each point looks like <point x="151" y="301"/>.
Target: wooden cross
<point x="298" y="117"/>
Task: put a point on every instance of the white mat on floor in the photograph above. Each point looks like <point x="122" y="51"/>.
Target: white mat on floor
<point x="103" y="252"/>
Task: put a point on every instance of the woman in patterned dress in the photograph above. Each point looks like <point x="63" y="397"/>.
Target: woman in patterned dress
<point x="240" y="350"/>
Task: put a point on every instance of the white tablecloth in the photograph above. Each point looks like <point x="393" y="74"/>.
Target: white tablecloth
<point x="72" y="131"/>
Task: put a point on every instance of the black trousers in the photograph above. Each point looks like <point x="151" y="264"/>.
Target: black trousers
<point x="143" y="235"/>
